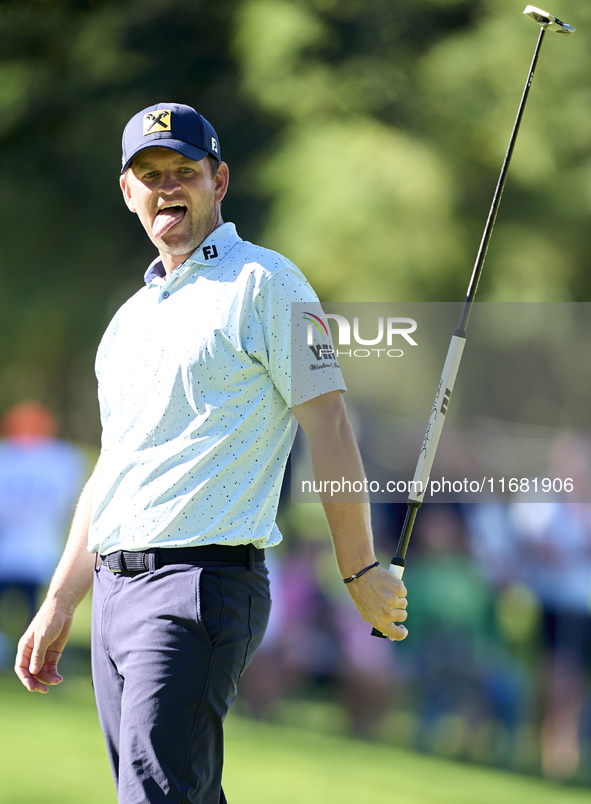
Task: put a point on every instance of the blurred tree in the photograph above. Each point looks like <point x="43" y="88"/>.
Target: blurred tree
<point x="396" y="121"/>
<point x="364" y="141"/>
<point x="471" y="83"/>
<point x="72" y="73"/>
<point x="360" y="198"/>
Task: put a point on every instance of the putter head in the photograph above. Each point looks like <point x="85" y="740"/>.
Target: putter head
<point x="548" y="21"/>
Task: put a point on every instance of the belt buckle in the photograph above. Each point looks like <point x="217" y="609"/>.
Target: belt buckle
<point x="115" y="559"/>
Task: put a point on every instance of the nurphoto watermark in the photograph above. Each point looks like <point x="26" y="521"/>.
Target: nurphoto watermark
<point x="516" y="419"/>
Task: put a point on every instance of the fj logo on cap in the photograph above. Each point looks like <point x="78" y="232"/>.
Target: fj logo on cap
<point x="156" y="121"/>
<point x="214" y="144"/>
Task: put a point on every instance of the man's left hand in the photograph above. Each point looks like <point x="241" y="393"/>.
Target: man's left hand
<point x="381" y="599"/>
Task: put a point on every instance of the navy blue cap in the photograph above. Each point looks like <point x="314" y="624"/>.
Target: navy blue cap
<point x="169" y="125"/>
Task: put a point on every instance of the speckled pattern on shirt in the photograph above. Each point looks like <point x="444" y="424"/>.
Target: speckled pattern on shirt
<point x="196" y="380"/>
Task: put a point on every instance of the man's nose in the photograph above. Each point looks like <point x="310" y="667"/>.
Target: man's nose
<point x="169" y="181"/>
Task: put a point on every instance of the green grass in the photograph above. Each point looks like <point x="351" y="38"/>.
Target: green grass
<point x="296" y="766"/>
<point x="51" y="747"/>
<point x="51" y="751"/>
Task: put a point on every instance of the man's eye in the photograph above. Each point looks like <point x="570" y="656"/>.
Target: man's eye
<point x="186" y="170"/>
<point x="151" y="174"/>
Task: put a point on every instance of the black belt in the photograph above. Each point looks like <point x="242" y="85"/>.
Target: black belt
<point x="126" y="562"/>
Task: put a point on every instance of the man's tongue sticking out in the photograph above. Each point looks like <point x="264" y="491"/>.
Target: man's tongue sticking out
<point x="166" y="219"/>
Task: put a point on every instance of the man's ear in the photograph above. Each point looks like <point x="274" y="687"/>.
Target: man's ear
<point x="222" y="178"/>
<point x="126" y="192"/>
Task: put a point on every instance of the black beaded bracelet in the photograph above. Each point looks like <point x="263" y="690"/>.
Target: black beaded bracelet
<point x="362" y="572"/>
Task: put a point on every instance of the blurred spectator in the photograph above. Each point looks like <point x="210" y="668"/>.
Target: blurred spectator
<point x="538" y="556"/>
<point x="300" y="646"/>
<point x="554" y="542"/>
<point x="40" y="478"/>
<point x="367" y="672"/>
<point x="459" y="670"/>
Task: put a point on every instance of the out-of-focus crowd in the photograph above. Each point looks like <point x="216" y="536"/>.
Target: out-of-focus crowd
<point x="40" y="478"/>
<point x="496" y="665"/>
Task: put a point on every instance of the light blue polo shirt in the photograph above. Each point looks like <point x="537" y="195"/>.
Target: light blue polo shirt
<point x="196" y="379"/>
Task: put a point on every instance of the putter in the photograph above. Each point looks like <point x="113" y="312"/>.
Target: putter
<point x="454" y="355"/>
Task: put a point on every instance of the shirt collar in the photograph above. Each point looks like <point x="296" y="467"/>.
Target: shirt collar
<point x="213" y="249"/>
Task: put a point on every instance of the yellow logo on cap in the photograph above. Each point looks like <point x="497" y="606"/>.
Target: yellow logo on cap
<point x="156" y="121"/>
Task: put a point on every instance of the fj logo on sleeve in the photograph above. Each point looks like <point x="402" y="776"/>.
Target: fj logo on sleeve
<point x="156" y="121"/>
<point x="210" y="252"/>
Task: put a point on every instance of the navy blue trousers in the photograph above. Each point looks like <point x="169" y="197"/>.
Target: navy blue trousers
<point x="168" y="648"/>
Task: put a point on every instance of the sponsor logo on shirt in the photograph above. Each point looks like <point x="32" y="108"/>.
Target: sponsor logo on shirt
<point x="210" y="252"/>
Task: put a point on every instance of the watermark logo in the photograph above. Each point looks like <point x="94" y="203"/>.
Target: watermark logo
<point x="387" y="328"/>
<point x="315" y="321"/>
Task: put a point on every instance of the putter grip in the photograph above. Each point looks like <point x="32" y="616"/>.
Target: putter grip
<point x="397" y="567"/>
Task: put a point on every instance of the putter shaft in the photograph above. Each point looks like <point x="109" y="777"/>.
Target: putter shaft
<point x="454" y="355"/>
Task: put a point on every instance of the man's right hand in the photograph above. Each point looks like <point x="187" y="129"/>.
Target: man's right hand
<point x="43" y="642"/>
<point x="40" y="648"/>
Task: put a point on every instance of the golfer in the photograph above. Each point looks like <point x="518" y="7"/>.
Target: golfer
<point x="198" y="382"/>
